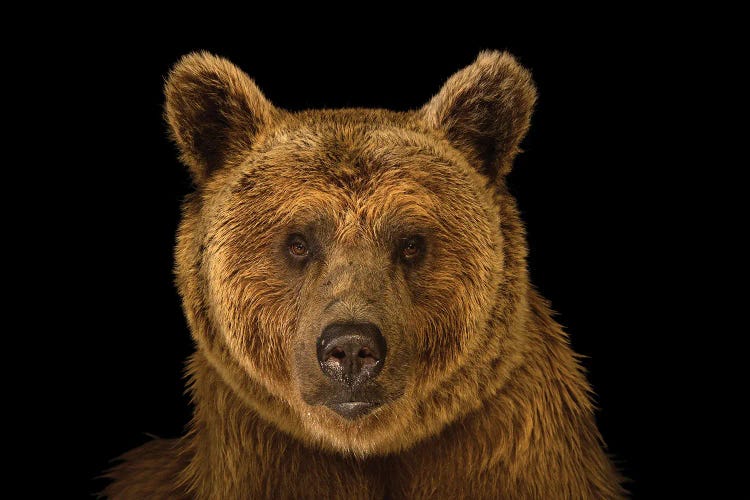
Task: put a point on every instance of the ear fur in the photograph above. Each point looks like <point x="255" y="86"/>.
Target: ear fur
<point x="214" y="111"/>
<point x="484" y="111"/>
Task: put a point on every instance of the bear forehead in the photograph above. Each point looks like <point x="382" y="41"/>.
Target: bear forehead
<point x="358" y="151"/>
<point x="374" y="167"/>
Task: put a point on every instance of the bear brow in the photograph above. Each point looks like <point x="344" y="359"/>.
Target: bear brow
<point x="401" y="209"/>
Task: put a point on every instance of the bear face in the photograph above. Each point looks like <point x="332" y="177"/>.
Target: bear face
<point x="353" y="274"/>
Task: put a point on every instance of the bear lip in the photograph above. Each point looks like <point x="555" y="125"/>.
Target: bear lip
<point x="353" y="409"/>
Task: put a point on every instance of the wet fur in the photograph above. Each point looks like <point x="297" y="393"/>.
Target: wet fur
<point x="488" y="399"/>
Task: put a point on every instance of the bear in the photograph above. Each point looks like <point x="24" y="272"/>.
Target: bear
<point x="356" y="286"/>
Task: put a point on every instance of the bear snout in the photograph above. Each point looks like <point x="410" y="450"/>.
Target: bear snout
<point x="351" y="353"/>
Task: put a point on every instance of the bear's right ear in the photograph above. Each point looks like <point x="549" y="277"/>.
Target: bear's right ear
<point x="484" y="111"/>
<point x="214" y="110"/>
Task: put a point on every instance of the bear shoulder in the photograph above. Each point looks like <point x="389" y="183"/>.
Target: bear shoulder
<point x="150" y="471"/>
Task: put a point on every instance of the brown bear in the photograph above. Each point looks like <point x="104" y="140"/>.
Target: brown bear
<point x="355" y="281"/>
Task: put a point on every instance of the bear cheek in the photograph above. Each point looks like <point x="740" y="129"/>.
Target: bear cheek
<point x="452" y="307"/>
<point x="254" y="313"/>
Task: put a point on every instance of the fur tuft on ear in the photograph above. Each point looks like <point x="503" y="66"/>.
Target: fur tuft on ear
<point x="215" y="111"/>
<point x="484" y="111"/>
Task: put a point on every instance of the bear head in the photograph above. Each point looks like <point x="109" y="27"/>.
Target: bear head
<point x="354" y="275"/>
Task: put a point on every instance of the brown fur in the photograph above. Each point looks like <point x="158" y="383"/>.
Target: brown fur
<point x="483" y="396"/>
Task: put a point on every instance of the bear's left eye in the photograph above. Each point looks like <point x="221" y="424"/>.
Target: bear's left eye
<point x="298" y="246"/>
<point x="412" y="248"/>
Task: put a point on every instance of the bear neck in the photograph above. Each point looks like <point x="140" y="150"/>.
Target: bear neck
<point x="542" y="415"/>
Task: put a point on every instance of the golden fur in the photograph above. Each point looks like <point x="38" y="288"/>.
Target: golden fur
<point x="484" y="397"/>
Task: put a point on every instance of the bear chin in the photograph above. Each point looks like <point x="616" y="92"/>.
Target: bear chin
<point x="370" y="434"/>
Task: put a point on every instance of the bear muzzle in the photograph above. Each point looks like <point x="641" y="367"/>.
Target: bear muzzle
<point x="351" y="355"/>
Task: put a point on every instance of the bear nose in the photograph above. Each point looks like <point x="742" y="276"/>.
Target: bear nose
<point x="351" y="353"/>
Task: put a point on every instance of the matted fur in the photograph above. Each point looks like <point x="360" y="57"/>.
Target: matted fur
<point x="483" y="396"/>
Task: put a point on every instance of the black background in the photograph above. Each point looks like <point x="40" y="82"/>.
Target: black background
<point x="584" y="185"/>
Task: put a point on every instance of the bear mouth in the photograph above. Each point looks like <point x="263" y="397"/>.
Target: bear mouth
<point x="353" y="409"/>
<point x="349" y="402"/>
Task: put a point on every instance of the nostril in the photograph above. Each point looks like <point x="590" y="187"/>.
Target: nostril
<point x="351" y="353"/>
<point x="365" y="353"/>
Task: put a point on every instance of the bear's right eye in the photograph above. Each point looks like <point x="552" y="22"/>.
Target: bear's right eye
<point x="411" y="249"/>
<point x="298" y="246"/>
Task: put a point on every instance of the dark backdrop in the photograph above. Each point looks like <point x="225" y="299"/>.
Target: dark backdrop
<point x="582" y="185"/>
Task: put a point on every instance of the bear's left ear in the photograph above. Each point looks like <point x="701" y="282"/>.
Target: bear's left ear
<point x="484" y="111"/>
<point x="215" y="112"/>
